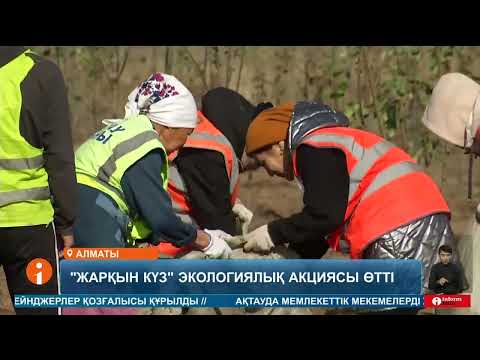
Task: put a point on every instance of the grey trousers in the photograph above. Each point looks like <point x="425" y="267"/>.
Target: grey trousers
<point x="419" y="240"/>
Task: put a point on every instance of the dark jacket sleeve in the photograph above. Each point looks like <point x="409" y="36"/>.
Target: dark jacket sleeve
<point x="142" y="186"/>
<point x="326" y="183"/>
<point x="45" y="122"/>
<point x="432" y="281"/>
<point x="208" y="186"/>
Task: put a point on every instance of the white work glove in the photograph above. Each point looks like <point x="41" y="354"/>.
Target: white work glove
<point x="217" y="248"/>
<point x="243" y="214"/>
<point x="258" y="241"/>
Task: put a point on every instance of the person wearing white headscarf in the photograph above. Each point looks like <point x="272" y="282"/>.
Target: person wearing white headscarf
<point x="168" y="104"/>
<point x="165" y="101"/>
<point x="172" y="111"/>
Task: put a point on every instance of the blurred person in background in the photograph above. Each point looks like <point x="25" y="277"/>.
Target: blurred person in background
<point x="453" y="114"/>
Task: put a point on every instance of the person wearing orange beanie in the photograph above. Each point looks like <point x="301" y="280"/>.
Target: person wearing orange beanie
<point x="362" y="195"/>
<point x="325" y="204"/>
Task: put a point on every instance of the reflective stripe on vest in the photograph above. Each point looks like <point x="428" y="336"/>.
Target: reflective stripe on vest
<point x="9" y="197"/>
<point x="382" y="177"/>
<point x="366" y="157"/>
<point x="41" y="193"/>
<point x="24" y="189"/>
<point x="125" y="147"/>
<point x="233" y="170"/>
<point x="102" y="160"/>
<point x="21" y="164"/>
<point x="176" y="180"/>
<point x="179" y="206"/>
<point x="390" y="174"/>
<point x="205" y="136"/>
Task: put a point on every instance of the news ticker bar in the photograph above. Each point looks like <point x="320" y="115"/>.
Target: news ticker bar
<point x="220" y="300"/>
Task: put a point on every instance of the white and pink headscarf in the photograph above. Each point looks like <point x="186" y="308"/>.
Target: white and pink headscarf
<point x="165" y="101"/>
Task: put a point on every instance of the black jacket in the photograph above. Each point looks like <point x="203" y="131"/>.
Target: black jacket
<point x="45" y="122"/>
<point x="204" y="172"/>
<point x="326" y="183"/>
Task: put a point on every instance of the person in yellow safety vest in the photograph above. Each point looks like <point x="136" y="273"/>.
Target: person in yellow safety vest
<point x="122" y="171"/>
<point x="37" y="174"/>
<point x="453" y="114"/>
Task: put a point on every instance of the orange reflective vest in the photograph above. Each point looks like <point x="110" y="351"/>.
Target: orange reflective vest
<point x="205" y="136"/>
<point x="387" y="188"/>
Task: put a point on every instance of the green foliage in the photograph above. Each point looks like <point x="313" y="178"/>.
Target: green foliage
<point x="386" y="89"/>
<point x="381" y="89"/>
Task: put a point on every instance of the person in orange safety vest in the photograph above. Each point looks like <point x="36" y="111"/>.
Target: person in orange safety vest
<point x="363" y="195"/>
<point x="204" y="174"/>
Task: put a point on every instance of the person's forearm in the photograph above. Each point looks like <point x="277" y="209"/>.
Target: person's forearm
<point x="63" y="187"/>
<point x="60" y="167"/>
<point x="145" y="196"/>
<point x="325" y="198"/>
<point x="59" y="161"/>
<point x="300" y="228"/>
<point x="166" y="226"/>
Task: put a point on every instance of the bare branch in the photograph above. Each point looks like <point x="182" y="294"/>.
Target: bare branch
<point x="228" y="68"/>
<point x="205" y="62"/>
<point x="124" y="63"/>
<point x="167" y="59"/>
<point x="240" y="69"/>
<point x="372" y="92"/>
<point x="104" y="69"/>
<point x="117" y="59"/>
<point x="201" y="73"/>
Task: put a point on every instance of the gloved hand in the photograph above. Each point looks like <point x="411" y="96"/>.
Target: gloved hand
<point x="258" y="241"/>
<point x="217" y="248"/>
<point x="243" y="214"/>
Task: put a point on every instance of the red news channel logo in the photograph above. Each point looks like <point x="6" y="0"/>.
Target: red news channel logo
<point x="447" y="301"/>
